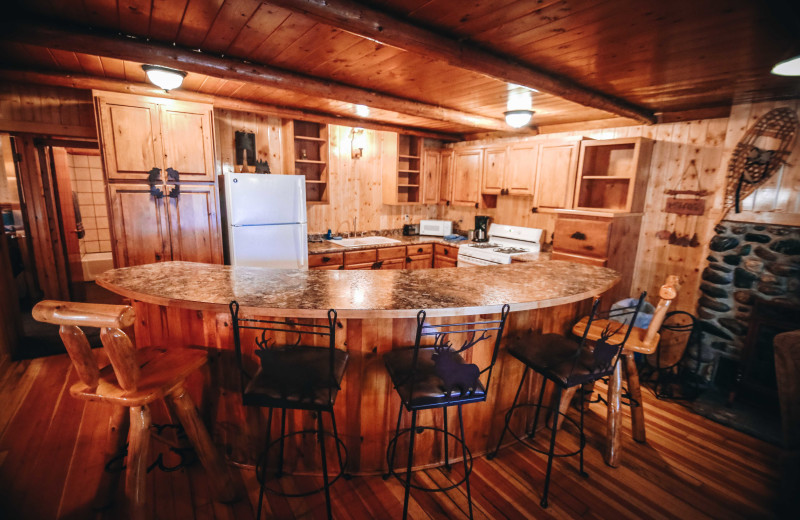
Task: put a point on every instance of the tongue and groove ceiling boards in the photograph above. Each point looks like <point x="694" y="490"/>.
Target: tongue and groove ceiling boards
<point x="444" y="67"/>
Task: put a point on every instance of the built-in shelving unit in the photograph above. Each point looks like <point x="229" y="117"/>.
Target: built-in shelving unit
<point x="612" y="174"/>
<point x="409" y="169"/>
<point x="311" y="158"/>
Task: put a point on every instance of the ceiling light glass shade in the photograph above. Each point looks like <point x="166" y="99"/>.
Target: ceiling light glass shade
<point x="164" y="77"/>
<point x="362" y="110"/>
<point x="518" y="118"/>
<point x="790" y="67"/>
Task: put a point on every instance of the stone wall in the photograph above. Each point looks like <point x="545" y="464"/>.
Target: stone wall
<point x="746" y="261"/>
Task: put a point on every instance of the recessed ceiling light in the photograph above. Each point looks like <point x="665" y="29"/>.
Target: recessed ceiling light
<point x="790" y="67"/>
<point x="362" y="110"/>
<point x="164" y="77"/>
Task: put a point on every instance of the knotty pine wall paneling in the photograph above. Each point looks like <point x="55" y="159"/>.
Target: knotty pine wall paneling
<point x="46" y="110"/>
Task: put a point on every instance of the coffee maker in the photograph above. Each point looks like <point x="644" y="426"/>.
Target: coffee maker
<point x="481" y="228"/>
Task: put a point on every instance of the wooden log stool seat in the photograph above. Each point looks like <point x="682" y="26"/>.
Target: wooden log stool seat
<point x="568" y="364"/>
<point x="298" y="376"/>
<point x="134" y="379"/>
<point x="642" y="341"/>
<point x="437" y="376"/>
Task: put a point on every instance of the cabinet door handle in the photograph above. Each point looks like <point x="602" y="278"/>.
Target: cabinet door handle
<point x="326" y="259"/>
<point x="419" y="250"/>
<point x="378" y="264"/>
<point x="476" y="205"/>
<point x="154" y="179"/>
<point x="448" y="203"/>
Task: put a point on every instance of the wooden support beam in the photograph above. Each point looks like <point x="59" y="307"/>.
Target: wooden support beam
<point x="135" y="49"/>
<point x="82" y="81"/>
<point x="364" y="21"/>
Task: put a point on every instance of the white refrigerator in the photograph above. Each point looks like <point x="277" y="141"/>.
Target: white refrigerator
<point x="265" y="220"/>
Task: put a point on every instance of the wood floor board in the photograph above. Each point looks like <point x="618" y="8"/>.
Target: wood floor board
<point x="51" y="460"/>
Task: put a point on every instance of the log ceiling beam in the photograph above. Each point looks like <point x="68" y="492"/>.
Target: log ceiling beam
<point x="135" y="49"/>
<point x="366" y="22"/>
<point x="85" y="82"/>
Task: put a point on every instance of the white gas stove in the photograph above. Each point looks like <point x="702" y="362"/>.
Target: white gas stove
<point x="504" y="242"/>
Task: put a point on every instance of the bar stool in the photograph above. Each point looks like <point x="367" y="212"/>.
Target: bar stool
<point x="568" y="364"/>
<point x="437" y="376"/>
<point x="135" y="379"/>
<point x="299" y="376"/>
<point x="642" y="341"/>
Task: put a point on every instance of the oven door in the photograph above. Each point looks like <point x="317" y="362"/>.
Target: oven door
<point x="468" y="261"/>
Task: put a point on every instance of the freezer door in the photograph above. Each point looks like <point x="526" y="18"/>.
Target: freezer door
<point x="253" y="199"/>
<point x="277" y="246"/>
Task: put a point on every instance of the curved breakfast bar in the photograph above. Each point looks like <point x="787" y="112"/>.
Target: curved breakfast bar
<point x="184" y="304"/>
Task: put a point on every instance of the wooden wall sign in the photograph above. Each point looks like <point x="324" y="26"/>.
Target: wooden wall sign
<point x="685" y="206"/>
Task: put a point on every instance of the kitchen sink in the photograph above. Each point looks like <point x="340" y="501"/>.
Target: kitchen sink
<point x="364" y="241"/>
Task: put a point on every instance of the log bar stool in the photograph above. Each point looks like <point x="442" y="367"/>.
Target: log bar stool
<point x="643" y="341"/>
<point x="436" y="376"/>
<point x="293" y="377"/>
<point x="568" y="364"/>
<point x="135" y="378"/>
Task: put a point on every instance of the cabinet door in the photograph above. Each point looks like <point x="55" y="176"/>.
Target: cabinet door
<point x="494" y="171"/>
<point x="430" y="176"/>
<point x="419" y="262"/>
<point x="194" y="228"/>
<point x="445" y="177"/>
<point x="467" y="165"/>
<point x="187" y="140"/>
<point x="130" y="134"/>
<point x="522" y="168"/>
<point x="139" y="224"/>
<point x="556" y="175"/>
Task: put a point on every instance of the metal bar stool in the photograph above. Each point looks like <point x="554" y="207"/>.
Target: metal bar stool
<point x="568" y="364"/>
<point x="437" y="376"/>
<point x="134" y="380"/>
<point x="299" y="376"/>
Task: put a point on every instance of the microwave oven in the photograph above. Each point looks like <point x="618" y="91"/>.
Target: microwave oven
<point x="437" y="228"/>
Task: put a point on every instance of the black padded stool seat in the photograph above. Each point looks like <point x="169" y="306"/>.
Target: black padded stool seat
<point x="428" y="387"/>
<point x="554" y="355"/>
<point x="300" y="379"/>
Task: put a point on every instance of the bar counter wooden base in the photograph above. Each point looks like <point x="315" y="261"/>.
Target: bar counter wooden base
<point x="367" y="407"/>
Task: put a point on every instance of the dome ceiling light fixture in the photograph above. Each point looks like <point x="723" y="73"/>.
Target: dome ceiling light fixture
<point x="519" y="106"/>
<point x="164" y="77"/>
<point x="790" y="67"/>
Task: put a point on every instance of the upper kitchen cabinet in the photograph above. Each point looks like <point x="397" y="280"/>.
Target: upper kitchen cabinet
<point x="431" y="172"/>
<point x="466" y="176"/>
<point x="522" y="169"/>
<point x="445" y="176"/>
<point x="612" y="175"/>
<point x="309" y="144"/>
<point x="555" y="175"/>
<point x="493" y="180"/>
<point x="139" y="134"/>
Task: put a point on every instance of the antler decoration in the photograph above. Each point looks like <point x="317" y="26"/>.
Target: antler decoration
<point x="265" y="342"/>
<point x="440" y="343"/>
<point x="471" y="342"/>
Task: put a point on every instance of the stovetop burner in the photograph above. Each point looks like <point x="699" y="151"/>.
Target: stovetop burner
<point x="488" y="245"/>
<point x="511" y="250"/>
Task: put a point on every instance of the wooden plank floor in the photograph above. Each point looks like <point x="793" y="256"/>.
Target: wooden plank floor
<point x="690" y="468"/>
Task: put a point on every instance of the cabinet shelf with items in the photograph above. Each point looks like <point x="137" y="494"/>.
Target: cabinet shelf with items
<point x="612" y="175"/>
<point x="409" y="158"/>
<point x="310" y="158"/>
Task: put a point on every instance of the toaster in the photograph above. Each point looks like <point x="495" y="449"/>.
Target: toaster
<point x="437" y="228"/>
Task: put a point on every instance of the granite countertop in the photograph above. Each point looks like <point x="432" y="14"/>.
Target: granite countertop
<point x="330" y="247"/>
<point x="361" y="294"/>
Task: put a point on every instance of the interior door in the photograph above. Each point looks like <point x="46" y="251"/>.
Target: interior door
<point x="139" y="225"/>
<point x="467" y="170"/>
<point x="131" y="136"/>
<point x="68" y="218"/>
<point x="194" y="227"/>
<point x="187" y="140"/>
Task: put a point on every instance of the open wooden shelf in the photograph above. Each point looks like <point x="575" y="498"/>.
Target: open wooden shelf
<point x="310" y="142"/>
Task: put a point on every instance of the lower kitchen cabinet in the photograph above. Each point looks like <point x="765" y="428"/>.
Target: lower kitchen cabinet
<point x="444" y="256"/>
<point x="328" y="261"/>
<point x="362" y="259"/>
<point x="149" y="228"/>
<point x="419" y="256"/>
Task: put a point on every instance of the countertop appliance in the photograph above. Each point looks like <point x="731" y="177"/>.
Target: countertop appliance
<point x="437" y="228"/>
<point x="481" y="225"/>
<point x="503" y="243"/>
<point x="410" y="229"/>
<point x="265" y="220"/>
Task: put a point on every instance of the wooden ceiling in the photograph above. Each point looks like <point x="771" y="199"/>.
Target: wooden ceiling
<point x="444" y="66"/>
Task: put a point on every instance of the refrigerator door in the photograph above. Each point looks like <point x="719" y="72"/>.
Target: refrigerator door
<point x="279" y="246"/>
<point x="254" y="199"/>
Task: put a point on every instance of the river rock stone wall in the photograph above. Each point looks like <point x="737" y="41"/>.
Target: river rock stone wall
<point x="746" y="261"/>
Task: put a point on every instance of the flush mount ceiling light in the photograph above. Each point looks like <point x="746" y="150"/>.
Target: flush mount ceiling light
<point x="790" y="67"/>
<point x="362" y="110"/>
<point x="518" y="118"/>
<point x="164" y="77"/>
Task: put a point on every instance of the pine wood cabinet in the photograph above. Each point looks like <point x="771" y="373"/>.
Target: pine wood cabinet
<point x="522" y="169"/>
<point x="493" y="180"/>
<point x="444" y="256"/>
<point x="466" y="176"/>
<point x="431" y="171"/>
<point x="419" y="256"/>
<point x="445" y="176"/>
<point x="555" y="175"/>
<point x="159" y="163"/>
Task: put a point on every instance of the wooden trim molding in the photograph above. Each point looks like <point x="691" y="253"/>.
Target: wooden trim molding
<point x="32" y="127"/>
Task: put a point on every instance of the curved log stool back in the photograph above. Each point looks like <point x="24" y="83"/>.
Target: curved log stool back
<point x="299" y="376"/>
<point x="642" y="341"/>
<point x="134" y="379"/>
<point x="437" y="376"/>
<point x="568" y="364"/>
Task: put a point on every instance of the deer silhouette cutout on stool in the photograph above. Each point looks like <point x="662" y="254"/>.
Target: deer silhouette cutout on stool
<point x="450" y="367"/>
